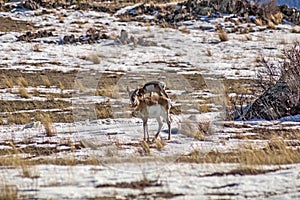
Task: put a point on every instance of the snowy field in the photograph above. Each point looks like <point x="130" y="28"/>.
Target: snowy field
<point x="104" y="157"/>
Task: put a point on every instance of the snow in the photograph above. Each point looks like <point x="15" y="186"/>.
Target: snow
<point x="116" y="142"/>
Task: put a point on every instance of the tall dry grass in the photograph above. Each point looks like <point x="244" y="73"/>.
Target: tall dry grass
<point x="8" y="192"/>
<point x="24" y="93"/>
<point x="276" y="152"/>
<point x="48" y="125"/>
<point x="223" y="36"/>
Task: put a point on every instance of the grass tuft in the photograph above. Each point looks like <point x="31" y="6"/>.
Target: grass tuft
<point x="258" y="22"/>
<point x="22" y="82"/>
<point x="160" y="144"/>
<point x="46" y="81"/>
<point x="145" y="146"/>
<point x="209" y="52"/>
<point x="223" y="36"/>
<point x="8" y="82"/>
<point x="8" y="192"/>
<point x="48" y="125"/>
<point x="24" y="93"/>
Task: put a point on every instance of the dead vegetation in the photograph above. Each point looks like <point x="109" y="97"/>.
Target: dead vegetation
<point x="276" y="152"/>
<point x="242" y="171"/>
<point x="8" y="192"/>
<point x="140" y="185"/>
<point x="48" y="125"/>
<point x="8" y="25"/>
<point x="223" y="36"/>
<point x="23" y="93"/>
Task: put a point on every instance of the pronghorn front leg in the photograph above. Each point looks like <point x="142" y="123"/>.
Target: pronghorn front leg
<point x="145" y="126"/>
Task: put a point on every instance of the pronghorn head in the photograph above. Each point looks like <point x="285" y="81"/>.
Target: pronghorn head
<point x="133" y="96"/>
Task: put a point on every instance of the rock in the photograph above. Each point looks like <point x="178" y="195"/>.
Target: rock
<point x="282" y="99"/>
<point x="28" y="36"/>
<point x="278" y="101"/>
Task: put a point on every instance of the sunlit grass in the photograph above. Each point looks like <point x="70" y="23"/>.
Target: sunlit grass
<point x="276" y="152"/>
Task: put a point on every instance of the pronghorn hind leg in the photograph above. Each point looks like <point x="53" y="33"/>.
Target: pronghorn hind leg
<point x="169" y="126"/>
<point x="169" y="130"/>
<point x="160" y="124"/>
<point x="147" y="133"/>
<point x="145" y="126"/>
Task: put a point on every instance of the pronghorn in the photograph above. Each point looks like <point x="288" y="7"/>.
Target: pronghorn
<point x="149" y="87"/>
<point x="151" y="107"/>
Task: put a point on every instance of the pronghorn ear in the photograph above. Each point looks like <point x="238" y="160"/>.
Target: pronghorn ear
<point x="137" y="91"/>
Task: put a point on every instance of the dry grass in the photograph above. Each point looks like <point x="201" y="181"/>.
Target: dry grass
<point x="276" y="152"/>
<point x="18" y="118"/>
<point x="271" y="25"/>
<point x="223" y="36"/>
<point x="204" y="108"/>
<point x="141" y="184"/>
<point x="103" y="110"/>
<point x="46" y="81"/>
<point x="258" y="22"/>
<point x="22" y="82"/>
<point x="36" y="48"/>
<point x="160" y="144"/>
<point x="28" y="171"/>
<point x="8" y="82"/>
<point x="1" y="120"/>
<point x="24" y="93"/>
<point x="48" y="125"/>
<point x="79" y="86"/>
<point x="12" y="159"/>
<point x="36" y="92"/>
<point x="109" y="90"/>
<point x="209" y="52"/>
<point x="145" y="147"/>
<point x="243" y="170"/>
<point x="8" y="192"/>
<point x="61" y="86"/>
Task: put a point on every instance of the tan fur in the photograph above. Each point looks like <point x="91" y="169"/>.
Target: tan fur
<point x="141" y="111"/>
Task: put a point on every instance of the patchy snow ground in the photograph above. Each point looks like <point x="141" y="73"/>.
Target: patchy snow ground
<point x="168" y="54"/>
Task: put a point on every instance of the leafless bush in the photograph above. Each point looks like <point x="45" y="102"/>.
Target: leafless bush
<point x="291" y="65"/>
<point x="268" y="9"/>
<point x="270" y="73"/>
<point x="238" y="105"/>
<point x="267" y="75"/>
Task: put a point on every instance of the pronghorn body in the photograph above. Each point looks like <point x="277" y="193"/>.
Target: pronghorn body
<point x="151" y="107"/>
<point x="154" y="86"/>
